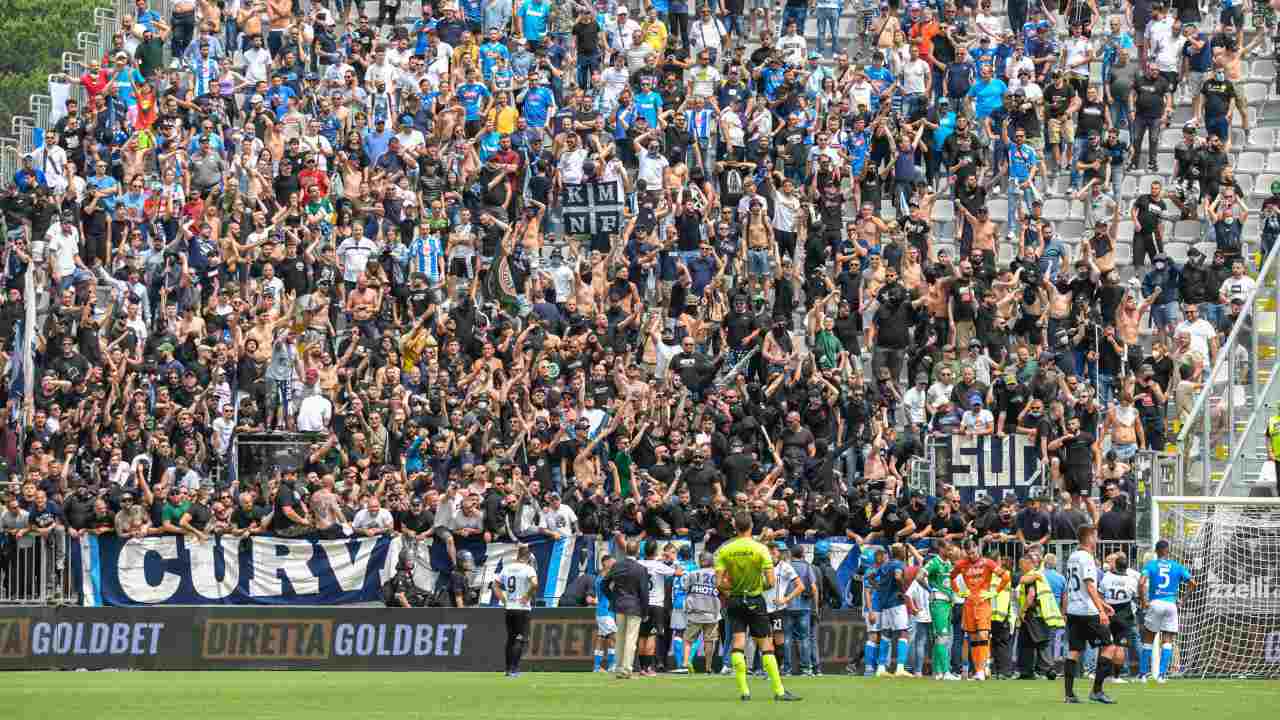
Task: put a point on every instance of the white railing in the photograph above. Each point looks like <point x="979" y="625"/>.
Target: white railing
<point x="1222" y="383"/>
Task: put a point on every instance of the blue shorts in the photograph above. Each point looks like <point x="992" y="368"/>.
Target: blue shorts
<point x="1125" y="451"/>
<point x="1218" y="126"/>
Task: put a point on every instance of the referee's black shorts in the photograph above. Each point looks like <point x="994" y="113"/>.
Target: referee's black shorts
<point x="518" y="624"/>
<point x="748" y="612"/>
<point x="1086" y="630"/>
<point x="654" y="622"/>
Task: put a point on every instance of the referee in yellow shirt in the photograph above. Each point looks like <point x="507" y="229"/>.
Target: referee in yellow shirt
<point x="744" y="570"/>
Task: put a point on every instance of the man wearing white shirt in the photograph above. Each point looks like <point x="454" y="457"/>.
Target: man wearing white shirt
<point x="52" y="160"/>
<point x="625" y="29"/>
<point x="915" y="400"/>
<point x="917" y="78"/>
<point x="379" y="69"/>
<point x="373" y="519"/>
<point x="257" y="62"/>
<point x="652" y="161"/>
<point x="63" y="251"/>
<point x="703" y="78"/>
<point x="573" y="160"/>
<point x="353" y="256"/>
<point x="314" y="413"/>
<point x="410" y="137"/>
<point x="1238" y="285"/>
<point x="558" y="519"/>
<point x="1204" y="339"/>
<point x="793" y="45"/>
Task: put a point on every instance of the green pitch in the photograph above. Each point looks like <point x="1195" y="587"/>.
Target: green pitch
<point x="579" y="696"/>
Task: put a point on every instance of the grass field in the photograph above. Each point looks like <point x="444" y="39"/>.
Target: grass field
<point x="579" y="696"/>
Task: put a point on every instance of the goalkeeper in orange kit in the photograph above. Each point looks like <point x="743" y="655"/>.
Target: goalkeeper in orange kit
<point x="978" y="573"/>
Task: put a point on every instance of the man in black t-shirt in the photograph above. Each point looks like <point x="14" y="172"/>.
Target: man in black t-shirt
<point x="1080" y="455"/>
<point x="1147" y="212"/>
<point x="289" y="513"/>
<point x="1152" y="102"/>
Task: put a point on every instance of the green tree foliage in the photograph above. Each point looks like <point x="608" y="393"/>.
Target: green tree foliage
<point x="35" y="34"/>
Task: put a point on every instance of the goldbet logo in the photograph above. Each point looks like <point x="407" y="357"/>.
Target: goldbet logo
<point x="267" y="639"/>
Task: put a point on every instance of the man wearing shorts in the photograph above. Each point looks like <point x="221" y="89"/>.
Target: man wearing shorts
<point x="606" y="626"/>
<point x="1088" y="620"/>
<point x="702" y="611"/>
<point x="744" y="572"/>
<point x="937" y="579"/>
<point x="655" y="622"/>
<point x="1158" y="591"/>
<point x="892" y="618"/>
<point x="978" y="573"/>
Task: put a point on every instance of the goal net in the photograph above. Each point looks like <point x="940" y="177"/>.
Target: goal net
<point x="1230" y="622"/>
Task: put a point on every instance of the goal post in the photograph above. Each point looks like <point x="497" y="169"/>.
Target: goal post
<point x="1229" y="623"/>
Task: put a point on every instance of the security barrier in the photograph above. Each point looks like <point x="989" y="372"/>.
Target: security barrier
<point x="33" y="570"/>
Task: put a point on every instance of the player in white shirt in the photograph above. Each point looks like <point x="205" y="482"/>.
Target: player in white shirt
<point x="1119" y="588"/>
<point x="514" y="588"/>
<point x="777" y="597"/>
<point x="655" y="622"/>
<point x="1088" y="619"/>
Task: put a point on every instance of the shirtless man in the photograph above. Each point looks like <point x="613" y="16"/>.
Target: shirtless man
<point x="250" y="21"/>
<point x="870" y="227"/>
<point x="1128" y="315"/>
<point x="760" y="246"/>
<point x="585" y="464"/>
<point x="984" y="233"/>
<point x="1125" y="426"/>
<point x="280" y="17"/>
<point x="363" y="302"/>
<point x="325" y="510"/>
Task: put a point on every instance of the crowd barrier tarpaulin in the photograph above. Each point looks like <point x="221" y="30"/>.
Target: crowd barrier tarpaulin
<point x="179" y="570"/>
<point x="234" y="638"/>
<point x="225" y="570"/>
<point x="558" y="562"/>
<point x="989" y="463"/>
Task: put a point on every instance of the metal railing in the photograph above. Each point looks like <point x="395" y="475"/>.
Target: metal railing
<point x="34" y="570"/>
<point x="1224" y="390"/>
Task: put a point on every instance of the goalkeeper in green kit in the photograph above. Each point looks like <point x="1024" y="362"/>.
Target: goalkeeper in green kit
<point x="937" y="579"/>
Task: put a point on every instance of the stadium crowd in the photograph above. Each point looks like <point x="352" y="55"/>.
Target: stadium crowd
<point x="346" y="227"/>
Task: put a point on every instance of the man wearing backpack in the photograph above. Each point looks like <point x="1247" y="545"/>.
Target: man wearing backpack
<point x="799" y="613"/>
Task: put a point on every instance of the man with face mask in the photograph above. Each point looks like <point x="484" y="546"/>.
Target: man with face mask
<point x="1214" y="102"/>
<point x="1213" y="158"/>
<point x="1164" y="283"/>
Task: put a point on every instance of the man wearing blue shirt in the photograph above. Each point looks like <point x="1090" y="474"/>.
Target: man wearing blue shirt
<point x="490" y="51"/>
<point x="987" y="94"/>
<point x="475" y="99"/>
<point x="606" y="626"/>
<point x="1158" y="591"/>
<point x="532" y="19"/>
<point x="648" y="102"/>
<point x="1023" y="163"/>
<point x="881" y="79"/>
<point x="539" y="105"/>
<point x="892" y="617"/>
<point x="870" y="604"/>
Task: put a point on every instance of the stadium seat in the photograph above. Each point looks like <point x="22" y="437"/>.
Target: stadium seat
<point x="998" y="209"/>
<point x="1206" y="248"/>
<point x="1169" y="139"/>
<point x="1262" y="188"/>
<point x="1261" y="140"/>
<point x="1125" y="231"/>
<point x="1129" y="186"/>
<point x="1263" y="71"/>
<point x="1187" y="231"/>
<point x="1057" y="209"/>
<point x="1124" y="253"/>
<point x="1071" y="228"/>
<point x="1245" y="181"/>
<point x="1164" y="163"/>
<point x="1181" y="116"/>
<point x="944" y="211"/>
<point x="1255" y="93"/>
<point x="1273" y="161"/>
<point x="1177" y="251"/>
<point x="1238" y="139"/>
<point x="1252" y="228"/>
<point x="1251" y="162"/>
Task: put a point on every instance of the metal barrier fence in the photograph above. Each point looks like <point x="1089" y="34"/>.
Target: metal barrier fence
<point x="1209" y="435"/>
<point x="1062" y="549"/>
<point x="34" y="570"/>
